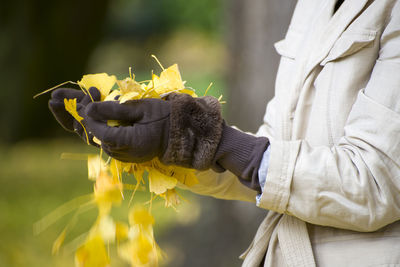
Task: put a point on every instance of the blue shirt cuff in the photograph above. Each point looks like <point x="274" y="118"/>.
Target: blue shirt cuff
<point x="262" y="171"/>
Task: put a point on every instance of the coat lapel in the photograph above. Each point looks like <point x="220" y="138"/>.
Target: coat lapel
<point x="325" y="39"/>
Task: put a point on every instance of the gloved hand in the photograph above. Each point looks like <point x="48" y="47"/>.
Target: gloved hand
<point x="180" y="130"/>
<point x="56" y="106"/>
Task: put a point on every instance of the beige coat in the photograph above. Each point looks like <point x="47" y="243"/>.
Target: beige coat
<point x="333" y="183"/>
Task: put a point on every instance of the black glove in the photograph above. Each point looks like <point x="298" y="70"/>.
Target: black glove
<point x="56" y="106"/>
<point x="180" y="130"/>
<point x="143" y="134"/>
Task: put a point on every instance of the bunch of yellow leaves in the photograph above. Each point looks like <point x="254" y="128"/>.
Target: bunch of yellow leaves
<point x="135" y="242"/>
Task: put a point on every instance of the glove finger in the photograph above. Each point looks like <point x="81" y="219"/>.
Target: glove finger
<point x="61" y="115"/>
<point x="112" y="110"/>
<point x="94" y="94"/>
<point x="78" y="129"/>
<point x="68" y="93"/>
<point x="105" y="133"/>
<point x="119" y="156"/>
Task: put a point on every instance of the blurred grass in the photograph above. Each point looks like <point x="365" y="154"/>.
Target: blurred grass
<point x="34" y="181"/>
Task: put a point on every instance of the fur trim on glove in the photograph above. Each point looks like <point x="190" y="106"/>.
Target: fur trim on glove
<point x="195" y="131"/>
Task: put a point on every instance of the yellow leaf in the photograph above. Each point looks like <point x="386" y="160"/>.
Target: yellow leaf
<point x="107" y="228"/>
<point x="92" y="254"/>
<point x="113" y="123"/>
<point x="171" y="198"/>
<point x="95" y="166"/>
<point x="184" y="175"/>
<point x="112" y="96"/>
<point x="121" y="231"/>
<point x="137" y="170"/>
<point x="159" y="182"/>
<point x="129" y="85"/>
<point x="101" y="81"/>
<point x="170" y="80"/>
<point x="138" y="215"/>
<point x="140" y="252"/>
<point x="96" y="140"/>
<point x="107" y="192"/>
<point x="58" y="242"/>
<point x="127" y="166"/>
<point x="129" y="96"/>
<point x="116" y="170"/>
<point x="189" y="92"/>
<point x="70" y="106"/>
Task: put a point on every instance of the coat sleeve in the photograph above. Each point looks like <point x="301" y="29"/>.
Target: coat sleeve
<point x="221" y="185"/>
<point x="355" y="184"/>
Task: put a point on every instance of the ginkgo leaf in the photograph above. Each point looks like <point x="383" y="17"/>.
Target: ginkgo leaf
<point x="139" y="252"/>
<point x="171" y="198"/>
<point x="159" y="182"/>
<point x="189" y="92"/>
<point x="113" y="123"/>
<point x="129" y="85"/>
<point x="116" y="170"/>
<point x="96" y="165"/>
<point x="112" y="96"/>
<point x="96" y="140"/>
<point x="92" y="254"/>
<point x="170" y="80"/>
<point x="129" y="96"/>
<point x="137" y="170"/>
<point x="121" y="231"/>
<point x="58" y="242"/>
<point x="107" y="192"/>
<point x="185" y="176"/>
<point x="107" y="228"/>
<point x="138" y="215"/>
<point x="102" y="81"/>
<point x="70" y="106"/>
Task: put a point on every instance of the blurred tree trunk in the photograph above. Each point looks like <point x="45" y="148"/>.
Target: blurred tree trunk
<point x="253" y="27"/>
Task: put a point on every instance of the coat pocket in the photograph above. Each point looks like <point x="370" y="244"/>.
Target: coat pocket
<point x="350" y="43"/>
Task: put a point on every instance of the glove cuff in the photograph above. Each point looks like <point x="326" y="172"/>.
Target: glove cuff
<point x="195" y="131"/>
<point x="240" y="153"/>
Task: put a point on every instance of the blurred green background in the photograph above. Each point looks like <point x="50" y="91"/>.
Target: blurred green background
<point x="44" y="43"/>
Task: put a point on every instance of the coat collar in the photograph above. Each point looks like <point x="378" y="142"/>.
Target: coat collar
<point x="333" y="28"/>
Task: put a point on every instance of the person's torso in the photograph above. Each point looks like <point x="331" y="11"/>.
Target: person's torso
<point x="325" y="61"/>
